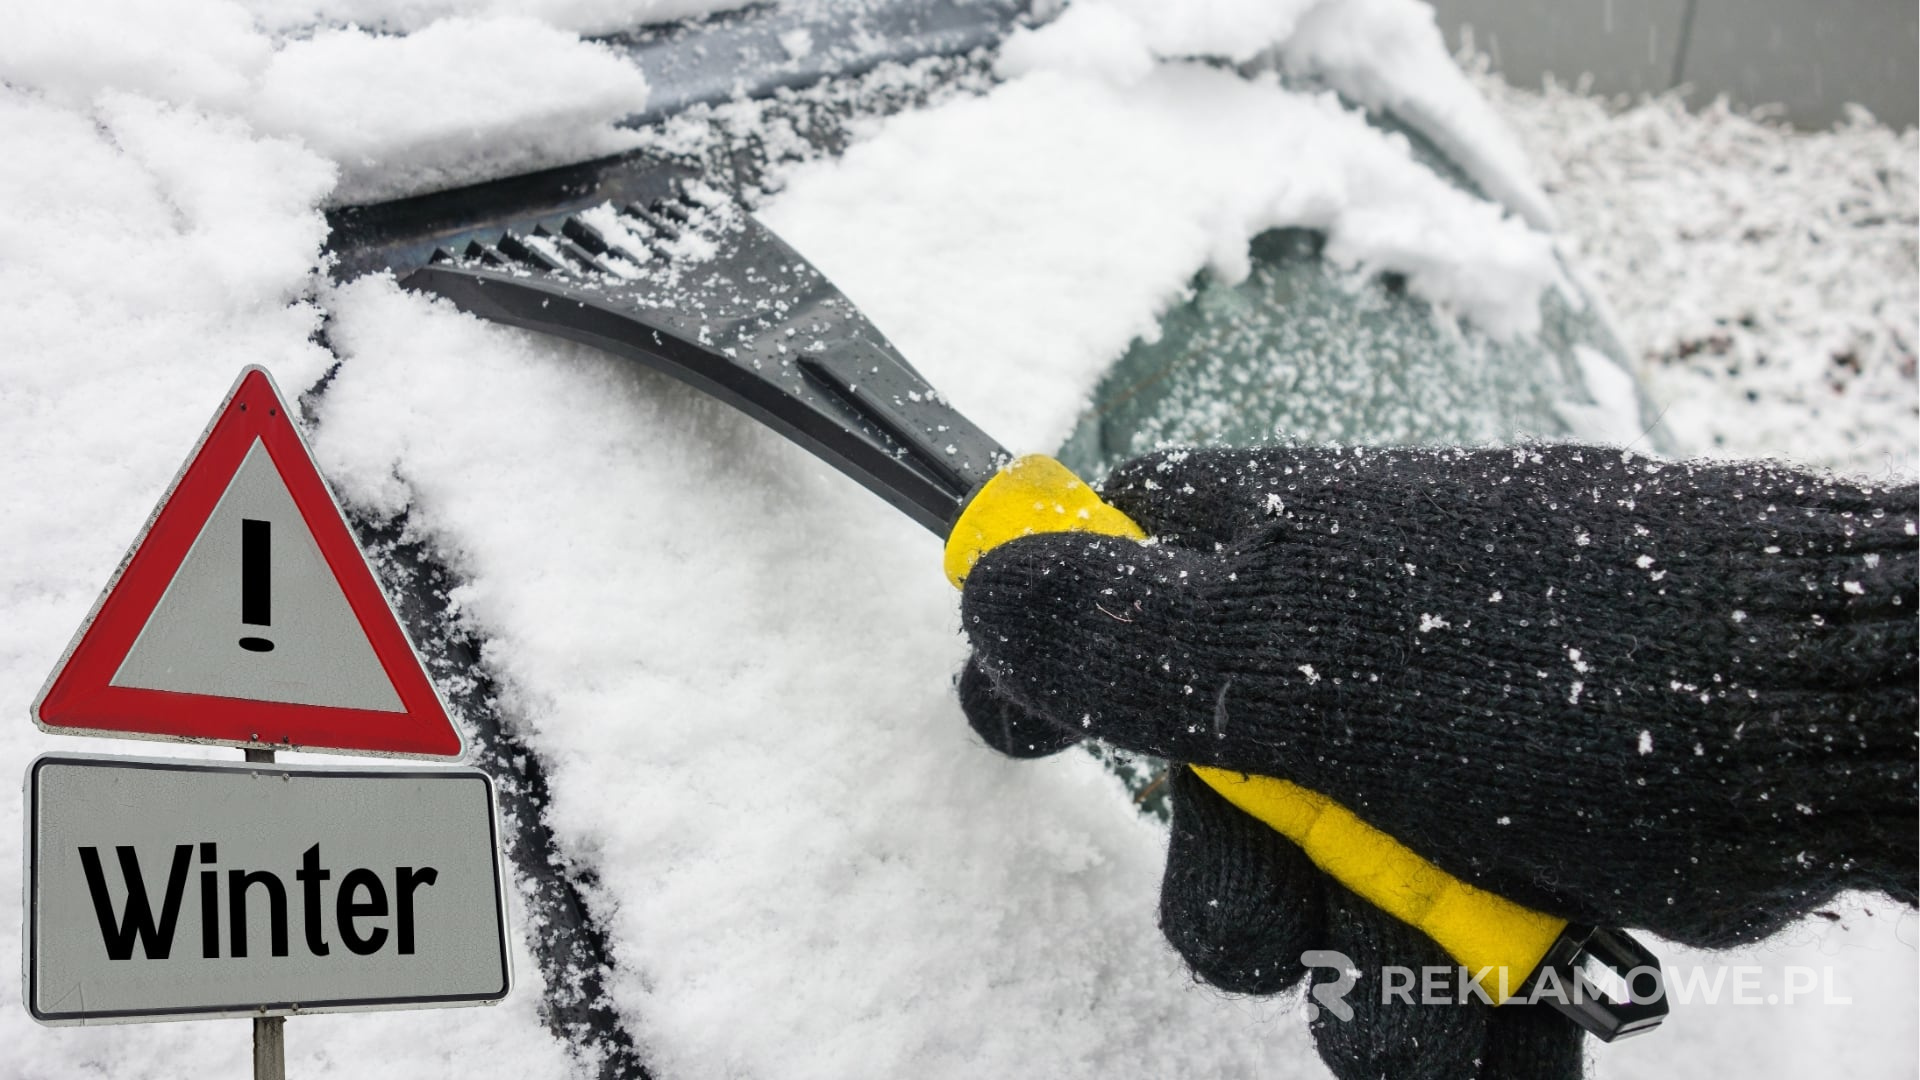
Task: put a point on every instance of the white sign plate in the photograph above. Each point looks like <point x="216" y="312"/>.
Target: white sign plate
<point x="174" y="889"/>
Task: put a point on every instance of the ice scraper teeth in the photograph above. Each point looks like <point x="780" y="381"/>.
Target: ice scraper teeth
<point x="631" y="241"/>
<point x="690" y="284"/>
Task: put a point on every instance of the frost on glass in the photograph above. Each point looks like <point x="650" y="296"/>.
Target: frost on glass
<point x="1300" y="351"/>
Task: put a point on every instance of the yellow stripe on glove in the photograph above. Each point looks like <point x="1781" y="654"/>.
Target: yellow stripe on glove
<point x="1481" y="930"/>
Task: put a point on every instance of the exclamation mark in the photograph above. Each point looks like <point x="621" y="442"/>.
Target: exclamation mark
<point x="256" y="580"/>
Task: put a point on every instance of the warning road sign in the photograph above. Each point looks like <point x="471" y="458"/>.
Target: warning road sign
<point x="245" y="614"/>
<point x="165" y="889"/>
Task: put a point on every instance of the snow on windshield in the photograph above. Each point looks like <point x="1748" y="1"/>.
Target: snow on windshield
<point x="1014" y="244"/>
<point x="1383" y="54"/>
<point x="460" y="99"/>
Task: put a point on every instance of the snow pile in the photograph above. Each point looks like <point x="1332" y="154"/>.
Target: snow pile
<point x="1850" y="1014"/>
<point x="1388" y="55"/>
<point x="1384" y="54"/>
<point x="201" y="51"/>
<point x="1766" y="277"/>
<point x="430" y="110"/>
<point x="396" y="114"/>
<point x="147" y="253"/>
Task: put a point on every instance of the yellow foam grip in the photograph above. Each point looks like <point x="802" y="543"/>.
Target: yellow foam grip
<point x="1479" y="929"/>
<point x="1034" y="494"/>
<point x="1483" y="931"/>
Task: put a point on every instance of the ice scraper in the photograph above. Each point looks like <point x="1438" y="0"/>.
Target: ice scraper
<point x="677" y="276"/>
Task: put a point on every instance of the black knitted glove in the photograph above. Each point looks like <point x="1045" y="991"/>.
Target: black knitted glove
<point x="1679" y="697"/>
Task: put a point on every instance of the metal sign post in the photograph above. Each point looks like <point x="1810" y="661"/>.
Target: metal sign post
<point x="269" y="1032"/>
<point x="269" y="1048"/>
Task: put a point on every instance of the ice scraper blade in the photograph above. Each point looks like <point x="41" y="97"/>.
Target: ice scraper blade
<point x="691" y="285"/>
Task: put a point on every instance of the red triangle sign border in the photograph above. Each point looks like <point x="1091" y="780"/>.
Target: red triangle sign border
<point x="79" y="697"/>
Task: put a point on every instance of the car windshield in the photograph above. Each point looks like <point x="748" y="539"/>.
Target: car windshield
<point x="1300" y="350"/>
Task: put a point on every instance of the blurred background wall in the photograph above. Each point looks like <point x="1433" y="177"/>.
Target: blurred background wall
<point x="1811" y="56"/>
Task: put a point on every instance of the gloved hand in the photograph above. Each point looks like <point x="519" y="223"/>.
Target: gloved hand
<point x="1678" y="697"/>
